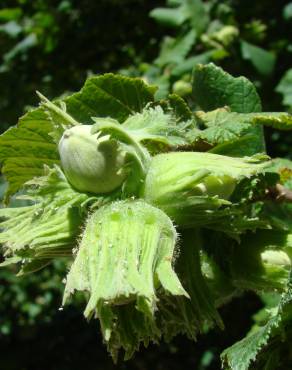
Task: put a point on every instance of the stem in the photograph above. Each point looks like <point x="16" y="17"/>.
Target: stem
<point x="54" y="108"/>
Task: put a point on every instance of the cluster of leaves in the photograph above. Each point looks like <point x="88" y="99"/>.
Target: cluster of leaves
<point x="35" y="50"/>
<point x="124" y="249"/>
<point x="245" y="38"/>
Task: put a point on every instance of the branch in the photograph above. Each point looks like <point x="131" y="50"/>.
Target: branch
<point x="280" y="194"/>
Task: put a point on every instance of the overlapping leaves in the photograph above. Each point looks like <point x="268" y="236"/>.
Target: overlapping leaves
<point x="126" y="257"/>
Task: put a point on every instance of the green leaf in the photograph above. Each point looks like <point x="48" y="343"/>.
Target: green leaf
<point x="192" y="10"/>
<point x="241" y="355"/>
<point x="264" y="61"/>
<point x="285" y="88"/>
<point x="13" y="29"/>
<point x="187" y="65"/>
<point x="253" y="352"/>
<point x="172" y="17"/>
<point x="21" y="47"/>
<point x="277" y="120"/>
<point x="109" y="95"/>
<point x="10" y="14"/>
<point x="213" y="88"/>
<point x="173" y="51"/>
<point x="25" y="149"/>
<point x="196" y="12"/>
<point x="287" y="11"/>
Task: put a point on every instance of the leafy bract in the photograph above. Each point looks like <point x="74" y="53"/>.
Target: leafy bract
<point x="136" y="156"/>
<point x="154" y="129"/>
<point x="154" y="125"/>
<point x="261" y="261"/>
<point x="125" y="255"/>
<point x="191" y="187"/>
<point x="189" y="316"/>
<point x="47" y="228"/>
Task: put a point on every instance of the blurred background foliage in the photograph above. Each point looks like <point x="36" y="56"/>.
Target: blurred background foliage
<point x="52" y="46"/>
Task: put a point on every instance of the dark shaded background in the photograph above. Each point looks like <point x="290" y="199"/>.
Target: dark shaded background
<point x="52" y="46"/>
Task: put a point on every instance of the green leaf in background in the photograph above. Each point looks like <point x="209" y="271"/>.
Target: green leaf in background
<point x="287" y="11"/>
<point x="223" y="37"/>
<point x="174" y="2"/>
<point x="10" y="14"/>
<point x="168" y="16"/>
<point x="187" y="65"/>
<point x="257" y="350"/>
<point x="109" y="95"/>
<point x="20" y="48"/>
<point x="285" y="88"/>
<point x="196" y="11"/>
<point x="13" y="29"/>
<point x="193" y="11"/>
<point x="25" y="149"/>
<point x="173" y="51"/>
<point x="264" y="61"/>
<point x="214" y="88"/>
